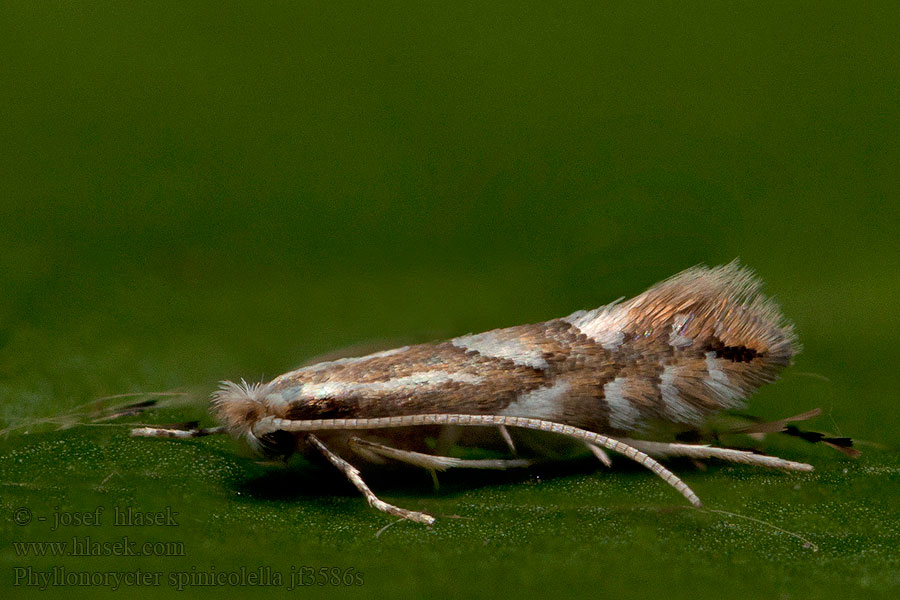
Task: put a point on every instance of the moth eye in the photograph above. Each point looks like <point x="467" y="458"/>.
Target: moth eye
<point x="277" y="444"/>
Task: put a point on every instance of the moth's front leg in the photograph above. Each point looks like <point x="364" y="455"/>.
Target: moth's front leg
<point x="352" y="473"/>
<point x="176" y="433"/>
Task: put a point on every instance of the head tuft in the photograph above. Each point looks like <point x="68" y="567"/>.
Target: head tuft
<point x="238" y="407"/>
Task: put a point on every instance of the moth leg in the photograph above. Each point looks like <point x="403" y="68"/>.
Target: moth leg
<point x="665" y="450"/>
<point x="352" y="473"/>
<point x="434" y="480"/>
<point x="269" y="424"/>
<point x="366" y="453"/>
<point x="432" y="462"/>
<point x="448" y="437"/>
<point x="176" y="433"/>
<point x="600" y="453"/>
<point x="504" y="433"/>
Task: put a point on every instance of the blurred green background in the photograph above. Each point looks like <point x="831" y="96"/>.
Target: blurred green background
<point x="195" y="191"/>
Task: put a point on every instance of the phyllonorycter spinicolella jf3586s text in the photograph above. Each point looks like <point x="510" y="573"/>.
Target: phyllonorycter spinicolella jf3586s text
<point x="611" y="378"/>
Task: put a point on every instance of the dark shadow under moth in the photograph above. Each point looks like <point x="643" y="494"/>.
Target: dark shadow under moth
<point x="688" y="348"/>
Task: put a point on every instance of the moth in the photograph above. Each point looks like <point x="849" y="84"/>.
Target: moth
<point x="690" y="347"/>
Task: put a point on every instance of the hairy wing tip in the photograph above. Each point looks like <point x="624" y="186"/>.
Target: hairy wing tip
<point x="723" y="303"/>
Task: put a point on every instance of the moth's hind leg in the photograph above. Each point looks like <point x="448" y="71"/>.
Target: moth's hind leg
<point x="430" y="461"/>
<point x="352" y="473"/>
<point x="666" y="450"/>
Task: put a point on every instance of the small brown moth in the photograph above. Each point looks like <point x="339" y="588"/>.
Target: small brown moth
<point x="692" y="346"/>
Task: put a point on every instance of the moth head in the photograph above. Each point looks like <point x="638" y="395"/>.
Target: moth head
<point x="238" y="407"/>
